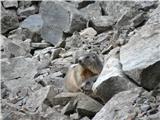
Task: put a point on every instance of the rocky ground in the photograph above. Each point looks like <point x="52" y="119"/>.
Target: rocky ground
<point x="41" y="39"/>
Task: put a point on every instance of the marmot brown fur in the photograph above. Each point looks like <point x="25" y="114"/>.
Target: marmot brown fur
<point x="88" y="65"/>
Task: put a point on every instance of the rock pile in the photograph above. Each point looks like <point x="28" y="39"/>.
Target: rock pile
<point x="42" y="39"/>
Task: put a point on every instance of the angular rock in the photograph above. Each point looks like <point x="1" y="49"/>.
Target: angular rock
<point x="113" y="108"/>
<point x="140" y="60"/>
<point x="10" y="4"/>
<point x="9" y="21"/>
<point x="116" y="9"/>
<point x="87" y="106"/>
<point x="34" y="24"/>
<point x="15" y="48"/>
<point x="24" y="4"/>
<point x="18" y="72"/>
<point x="88" y="32"/>
<point x="40" y="97"/>
<point x="102" y="23"/>
<point x="92" y="10"/>
<point x="40" y="45"/>
<point x="59" y="18"/>
<point x="69" y="108"/>
<point x="27" y="11"/>
<point x="111" y="80"/>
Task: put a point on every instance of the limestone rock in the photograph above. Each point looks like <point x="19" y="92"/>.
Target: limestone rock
<point x="34" y="24"/>
<point x="59" y="18"/>
<point x="9" y="21"/>
<point x="102" y="23"/>
<point x="40" y="97"/>
<point x="140" y="60"/>
<point x="113" y="108"/>
<point x="111" y="80"/>
<point x="10" y="4"/>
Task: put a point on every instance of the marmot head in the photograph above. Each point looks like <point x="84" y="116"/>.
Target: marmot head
<point x="91" y="62"/>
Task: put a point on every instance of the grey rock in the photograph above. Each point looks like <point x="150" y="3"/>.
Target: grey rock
<point x="64" y="97"/>
<point x="113" y="108"/>
<point x="88" y="32"/>
<point x="10" y="4"/>
<point x="58" y="20"/>
<point x="111" y="80"/>
<point x="27" y="11"/>
<point x="40" y="97"/>
<point x="24" y="4"/>
<point x="81" y="3"/>
<point x="136" y="56"/>
<point x="85" y="118"/>
<point x="18" y="72"/>
<point x="154" y="17"/>
<point x="9" y="21"/>
<point x="69" y="108"/>
<point x="14" y="48"/>
<point x="34" y="24"/>
<point x="92" y="10"/>
<point x="87" y="106"/>
<point x="40" y="45"/>
<point x="116" y="9"/>
<point x="145" y="107"/>
<point x="102" y="23"/>
<point x="75" y="116"/>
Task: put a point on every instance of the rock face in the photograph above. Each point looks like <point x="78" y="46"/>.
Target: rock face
<point x="59" y="18"/>
<point x="113" y="108"/>
<point x="8" y="22"/>
<point x="111" y="80"/>
<point x="10" y="4"/>
<point x="141" y="60"/>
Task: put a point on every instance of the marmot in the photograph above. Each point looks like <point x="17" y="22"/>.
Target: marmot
<point x="88" y="65"/>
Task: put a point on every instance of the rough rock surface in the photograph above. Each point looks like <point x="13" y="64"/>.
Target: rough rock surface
<point x="42" y="39"/>
<point x="59" y="18"/>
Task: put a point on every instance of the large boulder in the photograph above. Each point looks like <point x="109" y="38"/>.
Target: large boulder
<point x="18" y="72"/>
<point x="40" y="97"/>
<point x="14" y="48"/>
<point x="119" y="107"/>
<point x="59" y="18"/>
<point x="111" y="80"/>
<point x="9" y="21"/>
<point x="102" y="23"/>
<point x="34" y="24"/>
<point x="140" y="57"/>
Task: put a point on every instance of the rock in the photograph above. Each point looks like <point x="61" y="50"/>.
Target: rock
<point x="102" y="23"/>
<point x="40" y="45"/>
<point x="15" y="48"/>
<point x="87" y="106"/>
<point x="40" y="97"/>
<point x="88" y="32"/>
<point x="154" y="16"/>
<point x="111" y="80"/>
<point x="116" y="9"/>
<point x="113" y="108"/>
<point x="75" y="116"/>
<point x="9" y="21"/>
<point x="18" y="72"/>
<point x="34" y="24"/>
<point x="64" y="97"/>
<point x="81" y="3"/>
<point x="69" y="108"/>
<point x="143" y="70"/>
<point x="58" y="20"/>
<point x="130" y="18"/>
<point x="27" y="11"/>
<point x="10" y="4"/>
<point x="24" y="4"/>
<point x="92" y="10"/>
<point x="50" y="52"/>
<point x="85" y="118"/>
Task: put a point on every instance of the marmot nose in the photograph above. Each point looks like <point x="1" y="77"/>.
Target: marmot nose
<point x="80" y="61"/>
